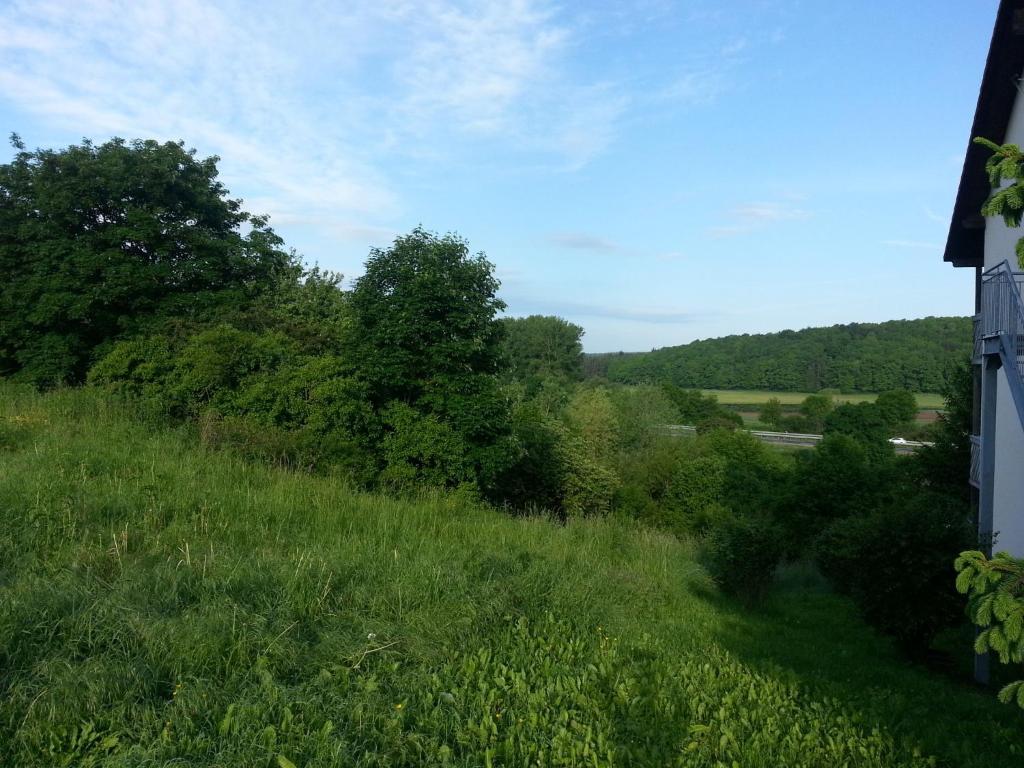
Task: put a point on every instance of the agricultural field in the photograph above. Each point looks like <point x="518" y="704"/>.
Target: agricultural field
<point x="161" y="604"/>
<point x="752" y="397"/>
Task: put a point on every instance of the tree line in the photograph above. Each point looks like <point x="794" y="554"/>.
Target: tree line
<point x="857" y="357"/>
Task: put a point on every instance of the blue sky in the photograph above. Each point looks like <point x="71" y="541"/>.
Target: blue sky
<point x="654" y="171"/>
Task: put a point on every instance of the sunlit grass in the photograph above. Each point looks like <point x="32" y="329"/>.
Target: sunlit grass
<point x="161" y="604"/>
<point x="925" y="400"/>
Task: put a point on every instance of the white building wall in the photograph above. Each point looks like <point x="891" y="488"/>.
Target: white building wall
<point x="1000" y="240"/>
<point x="1008" y="496"/>
<point x="1008" y="506"/>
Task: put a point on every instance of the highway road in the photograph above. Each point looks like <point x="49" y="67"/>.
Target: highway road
<point x="794" y="438"/>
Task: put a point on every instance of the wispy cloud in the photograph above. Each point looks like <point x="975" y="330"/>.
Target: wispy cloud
<point x="750" y="216"/>
<point x="654" y="315"/>
<point x="913" y="244"/>
<point x="308" y="105"/>
<point x="583" y="242"/>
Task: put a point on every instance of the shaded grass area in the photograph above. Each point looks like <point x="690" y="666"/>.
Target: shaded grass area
<point x="160" y="604"/>
<point x="753" y="397"/>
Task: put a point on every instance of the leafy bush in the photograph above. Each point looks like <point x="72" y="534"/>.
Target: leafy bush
<point x="421" y="450"/>
<point x="835" y="480"/>
<point x="694" y="496"/>
<point x="741" y="554"/>
<point x="894" y="563"/>
<point x="724" y="420"/>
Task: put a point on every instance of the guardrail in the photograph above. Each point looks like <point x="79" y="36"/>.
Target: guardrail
<point x="790" y="437"/>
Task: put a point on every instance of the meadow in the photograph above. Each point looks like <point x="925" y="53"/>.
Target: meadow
<point x="161" y="604"/>
<point x="753" y="397"/>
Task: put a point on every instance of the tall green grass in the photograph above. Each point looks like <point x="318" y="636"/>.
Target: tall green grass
<point x="165" y="605"/>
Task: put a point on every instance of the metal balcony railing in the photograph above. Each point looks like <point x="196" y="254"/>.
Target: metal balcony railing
<point x="1002" y="315"/>
<point x="978" y="346"/>
<point x="975" y="461"/>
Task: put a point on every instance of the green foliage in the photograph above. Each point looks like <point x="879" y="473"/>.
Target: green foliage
<point x="98" y="242"/>
<point x="894" y="563"/>
<point x="859" y="357"/>
<point x="424" y="337"/>
<point x="898" y="407"/>
<point x="162" y="604"/>
<point x="694" y="498"/>
<point x="995" y="602"/>
<point x="1006" y="200"/>
<point x="815" y="410"/>
<point x="424" y="310"/>
<point x="420" y="450"/>
<point x="771" y="412"/>
<point x="588" y="483"/>
<point x="591" y="416"/>
<point x="534" y="481"/>
<point x="640" y="414"/>
<point x="837" y="479"/>
<point x="541" y="347"/>
<point x="864" y="422"/>
<point x="742" y="553"/>
<point x="945" y="466"/>
<point x="692" y="406"/>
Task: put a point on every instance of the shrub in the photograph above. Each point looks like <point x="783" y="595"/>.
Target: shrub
<point x="421" y="450"/>
<point x="741" y="554"/>
<point x="693" y="499"/>
<point x="535" y="479"/>
<point x="726" y="420"/>
<point x="835" y="480"/>
<point x="895" y="564"/>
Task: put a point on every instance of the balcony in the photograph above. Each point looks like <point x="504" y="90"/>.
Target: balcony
<point x="975" y="477"/>
<point x="979" y="346"/>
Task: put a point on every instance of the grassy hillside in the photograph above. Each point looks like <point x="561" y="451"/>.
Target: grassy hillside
<point x="859" y="357"/>
<point x="160" y="604"/>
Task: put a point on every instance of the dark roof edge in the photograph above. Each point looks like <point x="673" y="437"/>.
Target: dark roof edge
<point x="965" y="243"/>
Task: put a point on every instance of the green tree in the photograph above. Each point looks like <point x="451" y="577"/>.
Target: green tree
<point x="946" y="465"/>
<point x="864" y="422"/>
<point x="97" y="241"/>
<point x="543" y="346"/>
<point x="423" y="334"/>
<point x="771" y="412"/>
<point x="898" y="408"/>
<point x="815" y="408"/>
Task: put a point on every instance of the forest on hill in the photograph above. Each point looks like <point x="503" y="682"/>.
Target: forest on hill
<point x="858" y="357"/>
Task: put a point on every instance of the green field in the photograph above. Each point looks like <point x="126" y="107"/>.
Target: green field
<point x="753" y="397"/>
<point x="161" y="605"/>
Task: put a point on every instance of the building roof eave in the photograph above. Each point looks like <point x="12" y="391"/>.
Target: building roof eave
<point x="1000" y="84"/>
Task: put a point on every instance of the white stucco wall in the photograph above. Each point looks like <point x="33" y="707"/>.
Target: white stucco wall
<point x="1000" y="241"/>
<point x="1008" y="507"/>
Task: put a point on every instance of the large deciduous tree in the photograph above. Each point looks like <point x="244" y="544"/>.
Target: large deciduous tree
<point x="543" y="346"/>
<point x="425" y="340"/>
<point x="98" y="240"/>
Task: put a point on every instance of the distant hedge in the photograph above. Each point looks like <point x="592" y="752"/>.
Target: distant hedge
<point x="859" y="357"/>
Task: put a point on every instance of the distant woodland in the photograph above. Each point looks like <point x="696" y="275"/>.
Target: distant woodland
<point x="858" y="357"/>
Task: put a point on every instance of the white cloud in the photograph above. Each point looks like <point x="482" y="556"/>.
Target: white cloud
<point x="750" y="216"/>
<point x="308" y="104"/>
